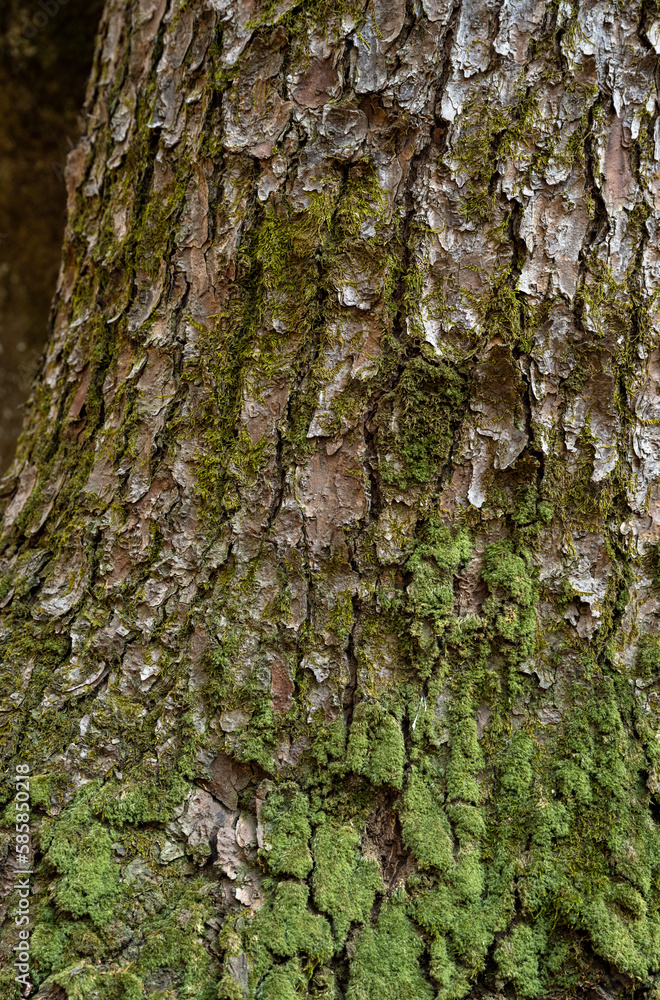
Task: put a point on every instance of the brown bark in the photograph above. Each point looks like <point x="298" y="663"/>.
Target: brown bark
<point x="330" y="601"/>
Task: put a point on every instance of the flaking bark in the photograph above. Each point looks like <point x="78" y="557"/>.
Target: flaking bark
<point x="330" y="577"/>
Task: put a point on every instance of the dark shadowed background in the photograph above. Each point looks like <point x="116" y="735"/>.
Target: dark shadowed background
<point x="46" y="51"/>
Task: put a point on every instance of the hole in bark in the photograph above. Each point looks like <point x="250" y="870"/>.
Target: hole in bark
<point x="383" y="835"/>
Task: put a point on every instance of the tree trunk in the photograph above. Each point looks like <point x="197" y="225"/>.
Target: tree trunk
<point x="329" y="569"/>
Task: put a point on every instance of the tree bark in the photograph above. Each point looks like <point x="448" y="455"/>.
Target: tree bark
<point x="329" y="570"/>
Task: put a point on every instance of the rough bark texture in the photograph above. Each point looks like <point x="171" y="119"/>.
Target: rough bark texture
<point x="330" y="580"/>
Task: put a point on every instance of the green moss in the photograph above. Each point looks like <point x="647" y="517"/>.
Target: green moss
<point x="465" y="755"/>
<point x="258" y="741"/>
<point x="417" y="420"/>
<point x="289" y="267"/>
<point x="48" y="943"/>
<point x="622" y="933"/>
<point x="577" y="501"/>
<point x="8" y="985"/>
<point x="517" y="959"/>
<point x="87" y="984"/>
<point x="143" y="800"/>
<point x="330" y="745"/>
<point x="341" y="617"/>
<point x="80" y="851"/>
<point x="516" y="773"/>
<point x="505" y="313"/>
<point x="528" y="511"/>
<point x="286" y="982"/>
<point x="467" y="820"/>
<point x="285" y="815"/>
<point x="344" y="883"/>
<point x="489" y="133"/>
<point x="561" y="853"/>
<point x="291" y="981"/>
<point x="648" y="657"/>
<point x="433" y="565"/>
<point x="511" y="607"/>
<point x="286" y="927"/>
<point x="468" y="876"/>
<point x="375" y="745"/>
<point x="173" y="942"/>
<point x="504" y="569"/>
<point x="603" y="300"/>
<point x="155" y="230"/>
<point x="461" y="926"/>
<point x="171" y="911"/>
<point x="291" y="237"/>
<point x="452" y="982"/>
<point x="424" y="825"/>
<point x="386" y="962"/>
<point x="299" y="18"/>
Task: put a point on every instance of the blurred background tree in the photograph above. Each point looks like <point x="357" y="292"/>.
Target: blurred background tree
<point x="43" y="71"/>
